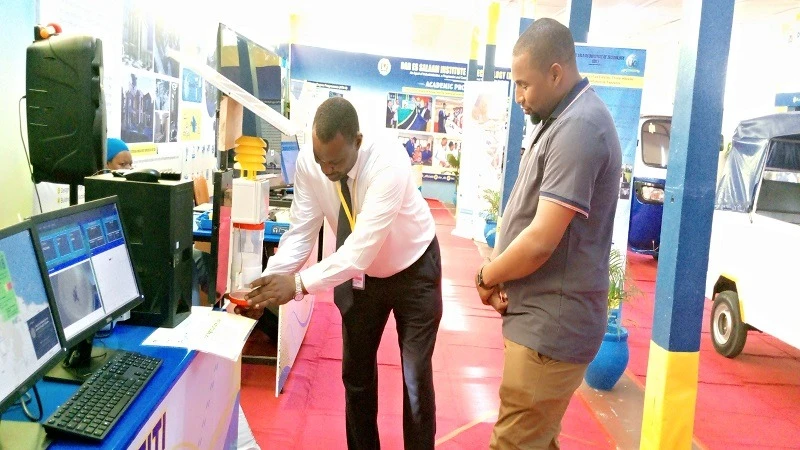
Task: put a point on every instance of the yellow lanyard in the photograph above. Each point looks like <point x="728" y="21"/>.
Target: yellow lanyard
<point x="350" y="216"/>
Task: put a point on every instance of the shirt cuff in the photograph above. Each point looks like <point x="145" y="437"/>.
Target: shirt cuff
<point x="312" y="279"/>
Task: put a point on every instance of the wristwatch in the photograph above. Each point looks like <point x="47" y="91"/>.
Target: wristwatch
<point x="479" y="279"/>
<point x="298" y="288"/>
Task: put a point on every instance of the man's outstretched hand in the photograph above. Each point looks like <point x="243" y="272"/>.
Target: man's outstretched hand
<point x="271" y="290"/>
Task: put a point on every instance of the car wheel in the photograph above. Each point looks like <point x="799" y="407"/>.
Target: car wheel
<point x="728" y="332"/>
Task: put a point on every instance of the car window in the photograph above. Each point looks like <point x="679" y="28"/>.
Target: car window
<point x="784" y="154"/>
<point x="655" y="142"/>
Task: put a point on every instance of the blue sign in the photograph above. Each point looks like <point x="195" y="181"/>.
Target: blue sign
<point x="376" y="72"/>
<point x="787" y="99"/>
<point x="617" y="75"/>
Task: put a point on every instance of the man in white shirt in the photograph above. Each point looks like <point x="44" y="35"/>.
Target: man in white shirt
<point x="387" y="259"/>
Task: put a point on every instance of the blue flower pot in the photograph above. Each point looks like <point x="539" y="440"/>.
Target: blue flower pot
<point x="490" y="232"/>
<point x="611" y="360"/>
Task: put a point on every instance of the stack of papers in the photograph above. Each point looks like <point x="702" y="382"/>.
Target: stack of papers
<point x="205" y="330"/>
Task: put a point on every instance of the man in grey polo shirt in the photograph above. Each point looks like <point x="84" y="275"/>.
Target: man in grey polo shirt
<point x="549" y="272"/>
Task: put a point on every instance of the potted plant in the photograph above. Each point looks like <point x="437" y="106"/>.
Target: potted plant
<point x="490" y="214"/>
<point x="612" y="358"/>
<point x="455" y="163"/>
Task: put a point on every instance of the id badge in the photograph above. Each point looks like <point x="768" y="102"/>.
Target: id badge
<point x="358" y="282"/>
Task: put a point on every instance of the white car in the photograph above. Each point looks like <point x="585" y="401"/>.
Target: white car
<point x="755" y="237"/>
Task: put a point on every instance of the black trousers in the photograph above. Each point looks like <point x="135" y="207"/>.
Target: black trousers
<point x="415" y="296"/>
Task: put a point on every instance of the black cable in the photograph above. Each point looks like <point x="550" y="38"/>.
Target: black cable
<point x="101" y="171"/>
<point x="38" y="404"/>
<point x="27" y="156"/>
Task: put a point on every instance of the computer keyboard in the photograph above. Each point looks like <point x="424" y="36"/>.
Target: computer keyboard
<point x="102" y="399"/>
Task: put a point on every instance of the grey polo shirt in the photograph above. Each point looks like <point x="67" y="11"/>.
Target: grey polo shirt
<point x="575" y="161"/>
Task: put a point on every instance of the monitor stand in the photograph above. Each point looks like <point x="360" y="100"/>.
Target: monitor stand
<point x="15" y="434"/>
<point x="81" y="362"/>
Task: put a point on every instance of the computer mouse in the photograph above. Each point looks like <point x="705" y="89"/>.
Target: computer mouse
<point x="145" y="175"/>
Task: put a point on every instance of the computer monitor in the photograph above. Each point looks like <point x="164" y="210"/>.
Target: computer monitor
<point x="220" y="235"/>
<point x="30" y="343"/>
<point x="91" y="276"/>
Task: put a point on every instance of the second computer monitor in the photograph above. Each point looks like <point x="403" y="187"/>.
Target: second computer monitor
<point x="29" y="342"/>
<point x="91" y="275"/>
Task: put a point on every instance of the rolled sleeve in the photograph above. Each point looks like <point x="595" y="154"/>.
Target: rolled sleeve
<point x="572" y="165"/>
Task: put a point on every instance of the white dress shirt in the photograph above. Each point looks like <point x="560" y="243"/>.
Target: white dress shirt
<point x="394" y="225"/>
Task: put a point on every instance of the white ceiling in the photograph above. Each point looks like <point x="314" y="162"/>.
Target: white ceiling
<point x="628" y="19"/>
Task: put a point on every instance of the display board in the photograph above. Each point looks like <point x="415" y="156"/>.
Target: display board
<point x="419" y="103"/>
<point x="485" y="138"/>
<point x="617" y="75"/>
<point x="164" y="112"/>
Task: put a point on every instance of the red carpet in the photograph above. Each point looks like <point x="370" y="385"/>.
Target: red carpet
<point x="751" y="401"/>
<point x="467" y="362"/>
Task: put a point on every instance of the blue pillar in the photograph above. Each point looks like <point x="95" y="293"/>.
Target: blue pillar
<point x="491" y="42"/>
<point x="580" y="14"/>
<point x="472" y="66"/>
<point x="673" y="364"/>
<point x="516" y="131"/>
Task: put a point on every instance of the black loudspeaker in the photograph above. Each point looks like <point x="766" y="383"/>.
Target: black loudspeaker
<point x="158" y="221"/>
<point x="66" y="108"/>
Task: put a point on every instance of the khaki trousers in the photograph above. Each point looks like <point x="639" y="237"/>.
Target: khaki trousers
<point x="534" y="395"/>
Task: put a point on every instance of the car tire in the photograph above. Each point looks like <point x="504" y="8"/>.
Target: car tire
<point x="728" y="332"/>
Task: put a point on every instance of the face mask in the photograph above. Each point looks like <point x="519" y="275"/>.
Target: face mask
<point x="535" y="119"/>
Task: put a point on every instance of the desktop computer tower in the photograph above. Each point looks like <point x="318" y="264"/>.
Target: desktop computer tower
<point x="157" y="217"/>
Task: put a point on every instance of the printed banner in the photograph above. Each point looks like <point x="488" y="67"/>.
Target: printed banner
<point x="485" y="138"/>
<point x="420" y="102"/>
<point x="196" y="412"/>
<point x="617" y="75"/>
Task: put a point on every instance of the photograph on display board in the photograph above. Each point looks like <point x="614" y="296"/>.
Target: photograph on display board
<point x="166" y="38"/>
<point x="173" y="112"/>
<point x="210" y="91"/>
<point x="137" y="36"/>
<point x="162" y="95"/>
<point x="137" y="109"/>
<point x="409" y="112"/>
<point x="625" y="181"/>
<point x="191" y="124"/>
<point x="442" y="147"/>
<point x="449" y="113"/>
<point x="192" y="87"/>
<point x="161" y="131"/>
<point x="418" y="146"/>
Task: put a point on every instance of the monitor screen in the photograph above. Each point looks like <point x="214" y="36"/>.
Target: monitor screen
<point x="89" y="266"/>
<point x="29" y="342"/>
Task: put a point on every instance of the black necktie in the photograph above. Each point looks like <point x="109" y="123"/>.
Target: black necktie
<point x="343" y="228"/>
<point x="343" y="293"/>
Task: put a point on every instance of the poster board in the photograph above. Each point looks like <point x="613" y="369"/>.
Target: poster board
<point x="164" y="112"/>
<point x="486" y="111"/>
<point x="419" y="103"/>
<point x="617" y="76"/>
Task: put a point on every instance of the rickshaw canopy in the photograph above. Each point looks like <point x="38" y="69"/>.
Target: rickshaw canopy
<point x="772" y="141"/>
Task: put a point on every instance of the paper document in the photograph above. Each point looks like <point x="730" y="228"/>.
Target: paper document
<point x="207" y="331"/>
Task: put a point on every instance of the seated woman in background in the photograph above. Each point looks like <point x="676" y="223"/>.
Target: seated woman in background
<point x="118" y="155"/>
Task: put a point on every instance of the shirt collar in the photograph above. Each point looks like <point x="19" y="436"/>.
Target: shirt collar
<point x="572" y="95"/>
<point x="356" y="167"/>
